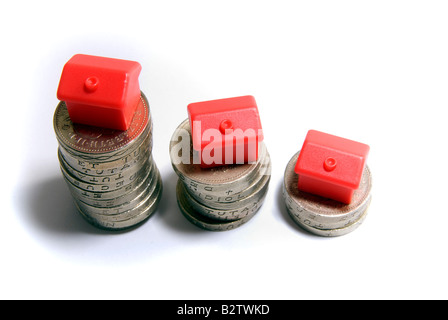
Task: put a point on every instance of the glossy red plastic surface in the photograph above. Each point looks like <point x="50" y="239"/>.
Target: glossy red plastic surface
<point x="331" y="166"/>
<point x="100" y="91"/>
<point x="229" y="126"/>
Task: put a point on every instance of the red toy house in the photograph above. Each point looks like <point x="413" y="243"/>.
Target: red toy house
<point x="226" y="131"/>
<point x="98" y="91"/>
<point x="331" y="166"/>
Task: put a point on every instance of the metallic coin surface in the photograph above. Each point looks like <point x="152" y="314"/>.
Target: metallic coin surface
<point x="103" y="176"/>
<point x="142" y="214"/>
<point x="109" y="195"/>
<point x="305" y="224"/>
<point x="123" y="159"/>
<point x="239" y="210"/>
<point x="205" y="222"/>
<point x="131" y="191"/>
<point x="120" y="207"/>
<point x="102" y="184"/>
<point x="132" y="211"/>
<point x="231" y="198"/>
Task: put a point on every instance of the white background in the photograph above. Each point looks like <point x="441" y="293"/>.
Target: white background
<point x="371" y="71"/>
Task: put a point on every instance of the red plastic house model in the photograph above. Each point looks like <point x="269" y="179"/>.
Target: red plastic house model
<point x="226" y="131"/>
<point x="98" y="91"/>
<point x="331" y="166"/>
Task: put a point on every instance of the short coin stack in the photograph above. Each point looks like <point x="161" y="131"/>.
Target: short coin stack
<point x="111" y="174"/>
<point x="220" y="198"/>
<point x="321" y="216"/>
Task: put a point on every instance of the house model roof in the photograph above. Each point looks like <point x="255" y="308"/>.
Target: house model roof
<point x="100" y="91"/>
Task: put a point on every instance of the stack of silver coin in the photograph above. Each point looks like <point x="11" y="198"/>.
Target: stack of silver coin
<point x="219" y="198"/>
<point x="111" y="175"/>
<point x="323" y="216"/>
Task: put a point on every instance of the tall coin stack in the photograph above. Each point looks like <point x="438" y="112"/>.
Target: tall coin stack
<point x="219" y="198"/>
<point x="110" y="173"/>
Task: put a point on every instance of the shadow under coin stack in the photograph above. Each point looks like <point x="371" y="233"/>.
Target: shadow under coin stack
<point x="110" y="173"/>
<point x="218" y="198"/>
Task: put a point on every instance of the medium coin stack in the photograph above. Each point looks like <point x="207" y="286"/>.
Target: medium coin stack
<point x="111" y="174"/>
<point x="323" y="216"/>
<point x="219" y="198"/>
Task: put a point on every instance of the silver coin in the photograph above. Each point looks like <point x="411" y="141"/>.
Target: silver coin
<point x="122" y="203"/>
<point x="228" y="201"/>
<point x="306" y="224"/>
<point x="128" y="157"/>
<point x="142" y="214"/>
<point x="109" y="195"/>
<point x="124" y="210"/>
<point x="203" y="221"/>
<point x="101" y="143"/>
<point x="320" y="213"/>
<point x="142" y="141"/>
<point x="99" y="199"/>
<point x="80" y="169"/>
<point x="238" y="210"/>
<point x="256" y="188"/>
<point x="217" y="180"/>
<point x="102" y="186"/>
<point x="127" y="174"/>
<point x="117" y="208"/>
